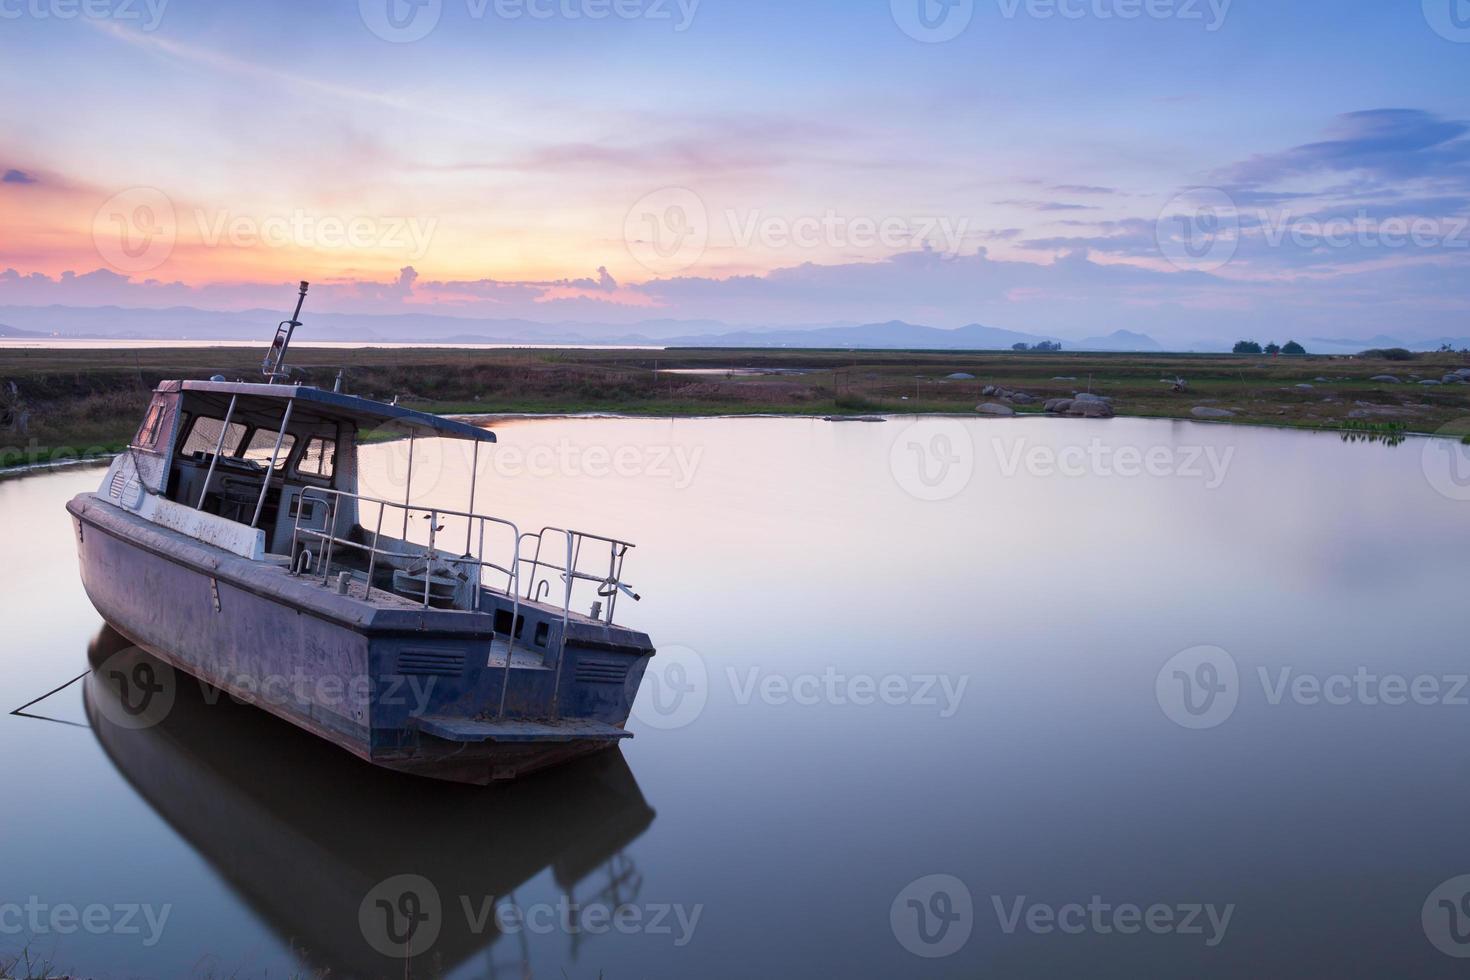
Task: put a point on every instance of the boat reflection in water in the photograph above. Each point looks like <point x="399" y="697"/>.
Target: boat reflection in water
<point x="342" y="858"/>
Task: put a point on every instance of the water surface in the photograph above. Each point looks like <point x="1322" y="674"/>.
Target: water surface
<point x="1040" y="659"/>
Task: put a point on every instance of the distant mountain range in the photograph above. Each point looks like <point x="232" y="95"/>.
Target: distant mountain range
<point x="184" y="323"/>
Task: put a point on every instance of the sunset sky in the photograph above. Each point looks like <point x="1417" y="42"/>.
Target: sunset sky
<point x="1180" y="167"/>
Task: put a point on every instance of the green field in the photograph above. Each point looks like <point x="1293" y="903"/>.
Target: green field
<point x="89" y="401"/>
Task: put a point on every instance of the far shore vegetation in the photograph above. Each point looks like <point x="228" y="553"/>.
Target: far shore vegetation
<point x="61" y="404"/>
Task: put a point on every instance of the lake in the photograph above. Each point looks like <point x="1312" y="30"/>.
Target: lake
<point x="935" y="697"/>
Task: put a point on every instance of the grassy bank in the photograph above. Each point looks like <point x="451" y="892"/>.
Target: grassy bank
<point x="79" y="402"/>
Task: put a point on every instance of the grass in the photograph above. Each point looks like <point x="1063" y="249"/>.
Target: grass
<point x="88" y="402"/>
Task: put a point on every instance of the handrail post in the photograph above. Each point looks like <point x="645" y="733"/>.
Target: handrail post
<point x="373" y="555"/>
<point x="265" y="486"/>
<point x="331" y="542"/>
<point x="218" y="448"/>
<point x="408" y="485"/>
<point x="566" y="607"/>
<point x="474" y="475"/>
<point x="429" y="555"/>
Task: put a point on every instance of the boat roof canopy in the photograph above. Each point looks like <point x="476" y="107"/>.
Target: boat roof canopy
<point x="264" y="404"/>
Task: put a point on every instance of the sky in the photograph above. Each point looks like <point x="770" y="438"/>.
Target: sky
<point x="1183" y="168"/>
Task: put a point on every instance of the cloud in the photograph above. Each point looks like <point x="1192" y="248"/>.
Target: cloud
<point x="1385" y="144"/>
<point x="18" y="177"/>
<point x="1046" y="205"/>
<point x="1083" y="189"/>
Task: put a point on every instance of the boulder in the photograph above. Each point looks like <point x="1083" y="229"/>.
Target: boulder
<point x="1205" y="412"/>
<point x="1431" y="382"/>
<point x="1091" y="410"/>
<point x="1305" y="386"/>
<point x="1064" y="379"/>
<point x="988" y="390"/>
<point x="1021" y="398"/>
<point x="1387" y="379"/>
<point x="1057" y="406"/>
<point x="1464" y="373"/>
<point x="1087" y="396"/>
<point x="959" y="376"/>
<point x="1453" y="379"/>
<point x="995" y="408"/>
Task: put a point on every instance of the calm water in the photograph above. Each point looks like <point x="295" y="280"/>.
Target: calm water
<point x="984" y="698"/>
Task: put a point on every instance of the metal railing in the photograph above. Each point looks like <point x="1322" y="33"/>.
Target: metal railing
<point x="543" y="570"/>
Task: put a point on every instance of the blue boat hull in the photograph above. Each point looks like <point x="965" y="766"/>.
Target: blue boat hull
<point x="412" y="689"/>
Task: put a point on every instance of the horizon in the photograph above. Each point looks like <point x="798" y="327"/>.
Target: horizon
<point x="1156" y="184"/>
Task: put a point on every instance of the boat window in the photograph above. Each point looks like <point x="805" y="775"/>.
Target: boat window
<point x="263" y="444"/>
<point x="319" y="459"/>
<point x="204" y="436"/>
<point x="152" y="425"/>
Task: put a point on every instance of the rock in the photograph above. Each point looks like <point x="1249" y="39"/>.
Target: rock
<point x="1021" y="398"/>
<point x="1387" y="379"/>
<point x="988" y="390"/>
<point x="1064" y="379"/>
<point x="1464" y="373"/>
<point x="1203" y="412"/>
<point x="1320" y="381"/>
<point x="1306" y="386"/>
<point x="1057" y="406"/>
<point x="1435" y="383"/>
<point x="1091" y="410"/>
<point x="959" y="376"/>
<point x="1086" y="396"/>
<point x="1452" y="379"/>
<point x="995" y="408"/>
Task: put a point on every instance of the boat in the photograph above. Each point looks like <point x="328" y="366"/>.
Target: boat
<point x="301" y="832"/>
<point x="230" y="540"/>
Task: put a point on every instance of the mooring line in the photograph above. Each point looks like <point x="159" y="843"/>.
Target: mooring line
<point x="21" y="711"/>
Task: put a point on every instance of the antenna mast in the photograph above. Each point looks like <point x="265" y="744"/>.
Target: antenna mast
<point x="274" y="365"/>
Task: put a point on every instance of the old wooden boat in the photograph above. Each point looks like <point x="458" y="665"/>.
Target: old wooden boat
<point x="231" y="542"/>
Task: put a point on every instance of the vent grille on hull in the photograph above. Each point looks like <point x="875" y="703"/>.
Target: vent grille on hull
<point x="601" y="671"/>
<point x="119" y="480"/>
<point x="442" y="663"/>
